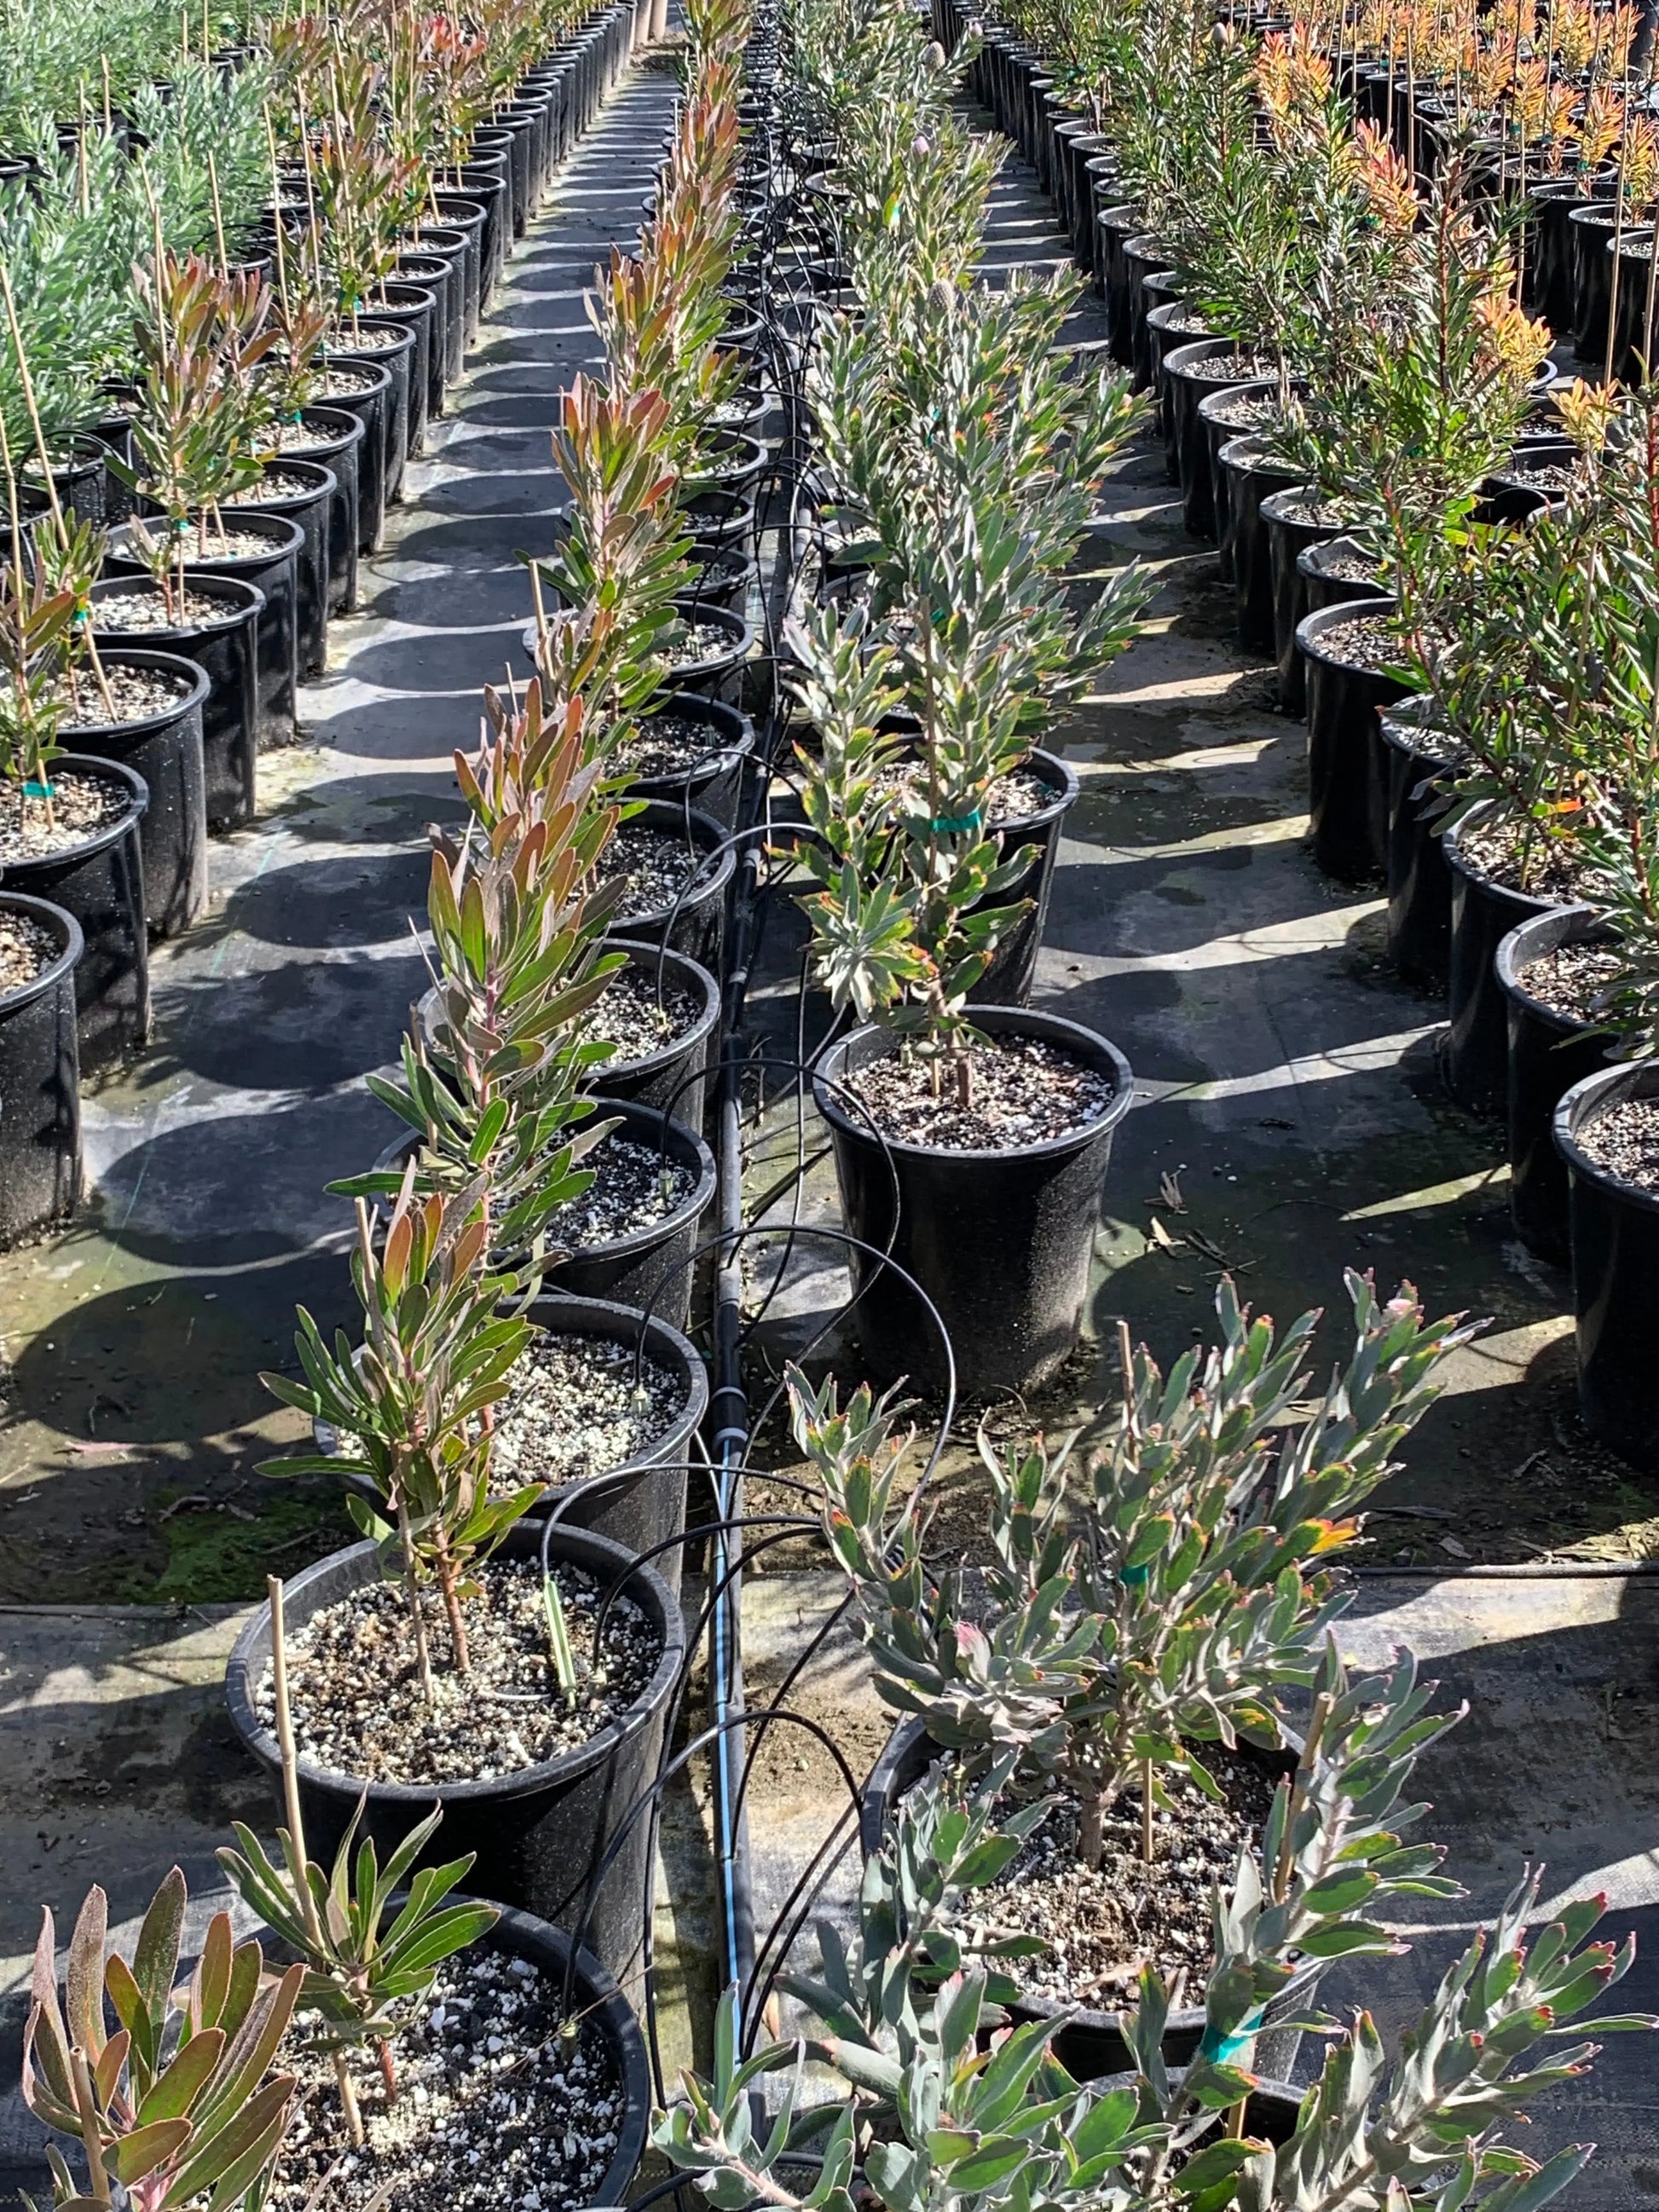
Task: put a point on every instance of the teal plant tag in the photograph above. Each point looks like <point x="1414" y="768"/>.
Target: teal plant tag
<point x="1134" y="1577"/>
<point x="1222" y="2050"/>
<point x="37" y="791"/>
<point x="956" y="825"/>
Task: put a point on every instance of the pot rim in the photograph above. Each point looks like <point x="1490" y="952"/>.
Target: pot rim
<point x="727" y="750"/>
<point x="325" y="489"/>
<point x="739" y="628"/>
<point x="1582" y="922"/>
<point x="1184" y="360"/>
<point x="89" y="764"/>
<point x="62" y="963"/>
<point x="1457" y="860"/>
<point x="1275" y="503"/>
<point x="1256" y="464"/>
<point x="365" y="365"/>
<point x="169" y="664"/>
<point x="1158" y="317"/>
<point x="208" y="581"/>
<point x="1576" y="1110"/>
<point x="333" y="442"/>
<point x="1229" y="392"/>
<point x="525" y="1781"/>
<point x="642" y="953"/>
<point x="253" y="518"/>
<point x="1313" y="560"/>
<point x="1047" y="1028"/>
<point x="355" y="358"/>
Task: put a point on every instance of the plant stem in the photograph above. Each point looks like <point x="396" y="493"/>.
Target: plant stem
<point x="422" y="1653"/>
<point x="92" y="2135"/>
<point x="1148" y="1849"/>
<point x="296" y="1827"/>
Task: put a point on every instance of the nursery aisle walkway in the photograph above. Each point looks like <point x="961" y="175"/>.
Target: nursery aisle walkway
<point x="1289" y="1122"/>
<point x="133" y="1414"/>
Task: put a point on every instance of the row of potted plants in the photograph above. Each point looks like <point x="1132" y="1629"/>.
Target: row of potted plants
<point x="1339" y="253"/>
<point x="503" y="1650"/>
<point x="196" y="457"/>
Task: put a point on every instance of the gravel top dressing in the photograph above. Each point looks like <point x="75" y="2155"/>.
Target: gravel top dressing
<point x="696" y="643"/>
<point x="1541" y="476"/>
<point x="669" y="745"/>
<point x="144" y="608"/>
<point x="277" y="483"/>
<point x="1369" y="642"/>
<point x="1012" y="797"/>
<point x="1247" y="410"/>
<point x="299" y="438"/>
<point x="1102" y="1925"/>
<point x="79" y="807"/>
<point x="654" y="867"/>
<point x="359" y="1708"/>
<point x="1219" y="368"/>
<point x="1624" y="1140"/>
<point x="342" y="383"/>
<point x="235" y="545"/>
<point x="635" y="1186"/>
<point x="1023" y="1092"/>
<point x="1317" y="513"/>
<point x="137" y="694"/>
<point x="1494" y="847"/>
<point x="378" y="340"/>
<point x="575" y="1408"/>
<point x="494" y="2109"/>
<point x="1568" y="979"/>
<point x="1351" y="568"/>
<point x="638" y="1018"/>
<point x="26" y="950"/>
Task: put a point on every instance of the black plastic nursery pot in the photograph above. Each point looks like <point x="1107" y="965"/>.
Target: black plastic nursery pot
<point x="713" y="783"/>
<point x="462" y="212"/>
<point x="1345" y="803"/>
<point x="694" y="923"/>
<point x="1171" y="324"/>
<point x="675" y="1078"/>
<point x="365" y="390"/>
<point x="306" y="498"/>
<point x="166" y="750"/>
<point x="1215" y="414"/>
<point x="539" y="1834"/>
<point x="1483" y="914"/>
<point x="1091" y="2044"/>
<point x="1190" y="379"/>
<point x="1114" y="228"/>
<point x="273" y="574"/>
<point x="1008" y="981"/>
<point x="223" y="647"/>
<point x="415" y="306"/>
<point x="724" y="575"/>
<point x="1143" y="256"/>
<point x="1615" y="1270"/>
<point x="437" y="258"/>
<point x="650" y="1268"/>
<point x="380" y="343"/>
<point x="1246" y="477"/>
<point x="1000" y="1242"/>
<point x="1591" y="228"/>
<point x="101" y="883"/>
<point x="39" y="1082"/>
<point x="337" y="443"/>
<point x="1336" y="573"/>
<point x="1549" y="1052"/>
<point x="1291" y="530"/>
<point x="1420" y="881"/>
<point x="487" y="182"/>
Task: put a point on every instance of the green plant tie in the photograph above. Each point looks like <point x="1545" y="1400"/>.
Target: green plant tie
<point x="1134" y="1577"/>
<point x="956" y="825"/>
<point x="37" y="791"/>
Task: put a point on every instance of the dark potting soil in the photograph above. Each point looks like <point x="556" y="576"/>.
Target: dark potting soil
<point x="359" y="1708"/>
<point x="577" y="1406"/>
<point x="634" y="1186"/>
<point x="639" y="1018"/>
<point x="26" y="950"/>
<point x="79" y="807"/>
<point x="135" y="695"/>
<point x="1104" y="1924"/>
<point x="275" y="484"/>
<point x="1495" y="848"/>
<point x="1568" y="980"/>
<point x="1363" y="641"/>
<point x="654" y="867"/>
<point x="667" y="744"/>
<point x="495" y="2111"/>
<point x="1024" y="1091"/>
<point x="144" y="609"/>
<point x="1625" y="1141"/>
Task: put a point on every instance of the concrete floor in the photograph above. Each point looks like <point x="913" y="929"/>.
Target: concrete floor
<point x="1289" y="1121"/>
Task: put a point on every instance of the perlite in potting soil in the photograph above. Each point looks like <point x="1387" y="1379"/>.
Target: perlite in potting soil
<point x="358" y="1705"/>
<point x="1494" y="847"/>
<point x="638" y="1017"/>
<point x="578" y="1405"/>
<point x="635" y="1186"/>
<point x="668" y="744"/>
<point x="26" y="950"/>
<point x="1104" y="1924"/>
<point x="144" y="609"/>
<point x="136" y="694"/>
<point x="1568" y="980"/>
<point x="1625" y="1142"/>
<point x="80" y="805"/>
<point x="654" y="864"/>
<point x="1025" y="1091"/>
<point x="495" y="2111"/>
